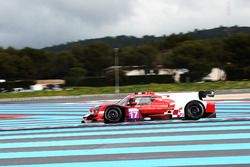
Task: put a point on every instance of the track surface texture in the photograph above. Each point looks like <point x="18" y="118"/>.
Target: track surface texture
<point x="50" y="135"/>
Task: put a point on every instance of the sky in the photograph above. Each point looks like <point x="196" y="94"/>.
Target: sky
<point x="42" y="23"/>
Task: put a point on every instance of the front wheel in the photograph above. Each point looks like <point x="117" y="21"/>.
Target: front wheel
<point x="194" y="110"/>
<point x="113" y="115"/>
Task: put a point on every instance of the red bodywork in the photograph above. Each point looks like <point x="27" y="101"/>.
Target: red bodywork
<point x="154" y="107"/>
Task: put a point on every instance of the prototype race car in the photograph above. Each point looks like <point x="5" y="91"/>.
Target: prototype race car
<point x="150" y="105"/>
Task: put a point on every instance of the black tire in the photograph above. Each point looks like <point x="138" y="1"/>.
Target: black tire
<point x="113" y="115"/>
<point x="194" y="110"/>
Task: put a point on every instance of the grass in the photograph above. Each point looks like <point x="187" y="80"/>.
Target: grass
<point x="222" y="85"/>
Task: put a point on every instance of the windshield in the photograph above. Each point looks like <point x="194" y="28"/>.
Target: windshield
<point x="139" y="100"/>
<point x="123" y="102"/>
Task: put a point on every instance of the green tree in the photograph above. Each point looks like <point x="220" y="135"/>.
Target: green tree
<point x="25" y="67"/>
<point x="237" y="62"/>
<point x="96" y="57"/>
<point x="60" y="63"/>
<point x="8" y="66"/>
<point x="40" y="60"/>
<point x="143" y="55"/>
<point x="193" y="55"/>
<point x="129" y="57"/>
<point x="172" y="41"/>
<point x="147" y="55"/>
<point x="75" y="76"/>
<point x="110" y="76"/>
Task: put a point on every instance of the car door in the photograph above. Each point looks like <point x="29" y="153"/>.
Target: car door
<point x="148" y="105"/>
<point x="159" y="106"/>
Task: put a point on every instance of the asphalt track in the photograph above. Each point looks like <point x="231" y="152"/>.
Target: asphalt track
<point x="50" y="135"/>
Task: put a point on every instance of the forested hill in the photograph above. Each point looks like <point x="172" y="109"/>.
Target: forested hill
<point x="115" y="42"/>
<point x="219" y="32"/>
<point x="125" y="41"/>
<point x="199" y="53"/>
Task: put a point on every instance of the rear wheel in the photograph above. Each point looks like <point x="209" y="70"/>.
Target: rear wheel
<point x="113" y="115"/>
<point x="194" y="110"/>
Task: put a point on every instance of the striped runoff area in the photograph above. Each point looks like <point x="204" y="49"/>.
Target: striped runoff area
<point x="70" y="114"/>
<point x="167" y="143"/>
<point x="43" y="115"/>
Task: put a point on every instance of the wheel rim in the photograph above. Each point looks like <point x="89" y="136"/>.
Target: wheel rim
<point x="113" y="115"/>
<point x="195" y="110"/>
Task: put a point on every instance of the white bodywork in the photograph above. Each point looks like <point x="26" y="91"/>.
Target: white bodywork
<point x="181" y="100"/>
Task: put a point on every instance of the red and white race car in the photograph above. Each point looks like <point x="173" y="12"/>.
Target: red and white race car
<point x="150" y="105"/>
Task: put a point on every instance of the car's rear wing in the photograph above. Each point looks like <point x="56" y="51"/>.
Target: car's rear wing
<point x="204" y="94"/>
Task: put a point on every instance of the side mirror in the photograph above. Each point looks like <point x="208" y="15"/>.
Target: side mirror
<point x="210" y="93"/>
<point x="133" y="103"/>
<point x="204" y="94"/>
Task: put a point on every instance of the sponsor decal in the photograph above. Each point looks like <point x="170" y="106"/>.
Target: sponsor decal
<point x="134" y="113"/>
<point x="101" y="112"/>
<point x="181" y="114"/>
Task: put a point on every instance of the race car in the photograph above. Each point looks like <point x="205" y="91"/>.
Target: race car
<point x="151" y="106"/>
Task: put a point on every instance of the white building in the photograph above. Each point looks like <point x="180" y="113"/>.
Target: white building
<point x="176" y="73"/>
<point x="43" y="84"/>
<point x="37" y="87"/>
<point x="2" y="80"/>
<point x="216" y="74"/>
